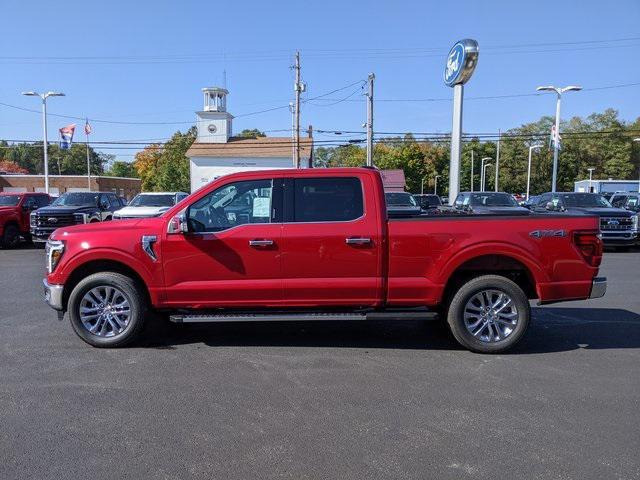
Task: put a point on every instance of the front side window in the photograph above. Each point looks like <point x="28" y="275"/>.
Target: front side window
<point x="234" y="204"/>
<point x="337" y="199"/>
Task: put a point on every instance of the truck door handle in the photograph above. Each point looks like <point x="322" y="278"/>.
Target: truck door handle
<point x="260" y="243"/>
<point x="357" y="241"/>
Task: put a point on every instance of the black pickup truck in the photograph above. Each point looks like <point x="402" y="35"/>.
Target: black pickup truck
<point x="72" y="208"/>
<point x="618" y="227"/>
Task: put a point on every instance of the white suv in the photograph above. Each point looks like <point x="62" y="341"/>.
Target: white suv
<point x="149" y="204"/>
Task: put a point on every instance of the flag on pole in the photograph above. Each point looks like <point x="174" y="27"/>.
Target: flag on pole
<point x="66" y="135"/>
<point x="87" y="127"/>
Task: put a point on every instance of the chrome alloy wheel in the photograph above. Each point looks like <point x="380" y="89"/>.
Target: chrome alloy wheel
<point x="105" y="311"/>
<point x="490" y="315"/>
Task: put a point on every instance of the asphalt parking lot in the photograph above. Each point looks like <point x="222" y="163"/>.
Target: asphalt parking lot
<point x="332" y="400"/>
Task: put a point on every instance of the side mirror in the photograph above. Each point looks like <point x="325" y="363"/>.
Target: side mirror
<point x="178" y="224"/>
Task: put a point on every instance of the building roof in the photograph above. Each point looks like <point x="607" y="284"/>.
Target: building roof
<point x="393" y="180"/>
<point x="261" y="147"/>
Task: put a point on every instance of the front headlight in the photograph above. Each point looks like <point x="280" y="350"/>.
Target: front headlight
<point x="53" y="251"/>
<point x="32" y="219"/>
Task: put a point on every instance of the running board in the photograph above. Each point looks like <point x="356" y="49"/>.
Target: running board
<point x="301" y="317"/>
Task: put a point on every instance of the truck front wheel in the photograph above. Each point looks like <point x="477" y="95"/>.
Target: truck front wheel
<point x="489" y="314"/>
<point x="10" y="237"/>
<point x="107" y="309"/>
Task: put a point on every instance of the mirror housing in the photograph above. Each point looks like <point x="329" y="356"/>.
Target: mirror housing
<point x="178" y="224"/>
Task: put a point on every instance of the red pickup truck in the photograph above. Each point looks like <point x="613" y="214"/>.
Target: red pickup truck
<point x="15" y="209"/>
<point x="316" y="244"/>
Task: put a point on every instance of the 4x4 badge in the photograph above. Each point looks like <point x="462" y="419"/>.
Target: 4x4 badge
<point x="547" y="233"/>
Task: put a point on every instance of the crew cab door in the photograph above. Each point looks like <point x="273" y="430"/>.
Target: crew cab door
<point x="231" y="255"/>
<point x="331" y="242"/>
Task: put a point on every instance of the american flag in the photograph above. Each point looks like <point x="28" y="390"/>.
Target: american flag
<point x="87" y="127"/>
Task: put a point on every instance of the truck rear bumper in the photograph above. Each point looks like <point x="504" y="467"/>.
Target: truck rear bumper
<point x="598" y="287"/>
<point x="53" y="295"/>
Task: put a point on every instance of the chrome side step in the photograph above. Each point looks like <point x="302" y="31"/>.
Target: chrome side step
<point x="301" y="317"/>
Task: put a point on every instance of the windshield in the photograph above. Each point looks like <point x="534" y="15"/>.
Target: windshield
<point x="76" y="199"/>
<point x="493" y="200"/>
<point x="584" y="200"/>
<point x="160" y="200"/>
<point x="9" y="200"/>
<point x="400" y="199"/>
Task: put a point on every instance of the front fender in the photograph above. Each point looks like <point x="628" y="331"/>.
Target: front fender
<point x="151" y="274"/>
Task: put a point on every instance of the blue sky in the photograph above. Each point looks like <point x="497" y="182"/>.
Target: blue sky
<point x="146" y="61"/>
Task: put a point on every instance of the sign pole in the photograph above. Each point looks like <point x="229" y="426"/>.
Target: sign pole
<point x="461" y="62"/>
<point x="456" y="143"/>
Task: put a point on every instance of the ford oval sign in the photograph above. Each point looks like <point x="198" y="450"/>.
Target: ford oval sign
<point x="461" y="62"/>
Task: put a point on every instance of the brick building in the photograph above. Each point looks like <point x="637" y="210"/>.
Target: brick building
<point x="59" y="184"/>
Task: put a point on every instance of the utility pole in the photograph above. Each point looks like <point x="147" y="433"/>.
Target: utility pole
<point x="370" y="80"/>
<point x="292" y="109"/>
<point x="435" y="184"/>
<point x="296" y="128"/>
<point x="497" y="160"/>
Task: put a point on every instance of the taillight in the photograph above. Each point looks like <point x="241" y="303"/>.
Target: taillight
<point x="589" y="245"/>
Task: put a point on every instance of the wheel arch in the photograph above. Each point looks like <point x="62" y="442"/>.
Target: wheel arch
<point x="102" y="265"/>
<point x="502" y="264"/>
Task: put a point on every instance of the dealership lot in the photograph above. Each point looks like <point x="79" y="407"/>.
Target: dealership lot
<point x="321" y="400"/>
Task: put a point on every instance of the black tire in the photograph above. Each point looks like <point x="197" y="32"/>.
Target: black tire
<point x="466" y="293"/>
<point x="129" y="289"/>
<point x="10" y="236"/>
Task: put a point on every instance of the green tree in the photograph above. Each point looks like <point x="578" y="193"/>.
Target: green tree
<point x="253" y="133"/>
<point x="120" y="168"/>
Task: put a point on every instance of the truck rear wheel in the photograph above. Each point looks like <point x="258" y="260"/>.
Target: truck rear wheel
<point x="489" y="314"/>
<point x="107" y="309"/>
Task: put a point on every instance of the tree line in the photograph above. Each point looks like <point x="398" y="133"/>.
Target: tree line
<point x="601" y="141"/>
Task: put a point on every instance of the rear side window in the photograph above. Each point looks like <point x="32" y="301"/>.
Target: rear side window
<point x="42" y="200"/>
<point x="327" y="199"/>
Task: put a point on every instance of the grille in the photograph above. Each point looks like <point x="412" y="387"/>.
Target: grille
<point x="55" y="220"/>
<point x="616" y="223"/>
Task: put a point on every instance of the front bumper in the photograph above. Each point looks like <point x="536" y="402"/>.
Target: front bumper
<point x="622" y="238"/>
<point x="53" y="295"/>
<point x="41" y="234"/>
<point x="598" y="287"/>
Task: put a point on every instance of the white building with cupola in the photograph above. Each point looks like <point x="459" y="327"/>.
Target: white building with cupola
<point x="216" y="152"/>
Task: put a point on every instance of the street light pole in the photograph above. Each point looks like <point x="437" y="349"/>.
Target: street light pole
<point x="43" y="97"/>
<point x="435" y="185"/>
<point x="590" y="177"/>
<point x="471" y="170"/>
<point x="638" y="140"/>
<point x="482" y="172"/>
<point x="556" y="143"/>
<point x="531" y="148"/>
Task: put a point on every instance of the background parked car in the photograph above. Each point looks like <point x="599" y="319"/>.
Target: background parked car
<point x="428" y="201"/>
<point x="73" y="208"/>
<point x="489" y="203"/>
<point x="401" y="204"/>
<point x="619" y="199"/>
<point x="619" y="227"/>
<point x="149" y="204"/>
<point x="15" y="209"/>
